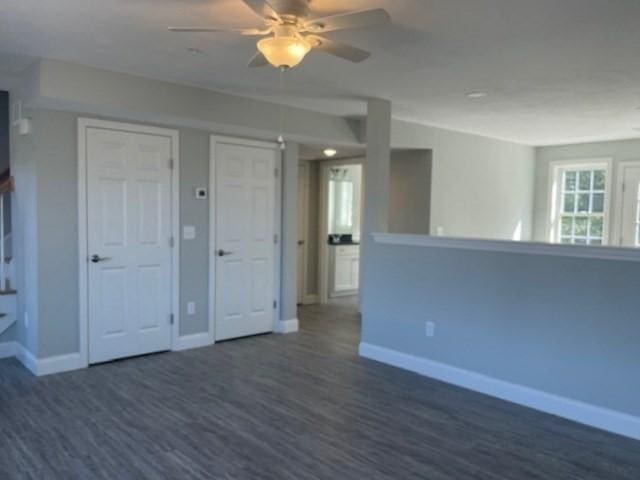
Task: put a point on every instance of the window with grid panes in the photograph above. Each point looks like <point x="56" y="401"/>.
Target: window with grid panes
<point x="581" y="218"/>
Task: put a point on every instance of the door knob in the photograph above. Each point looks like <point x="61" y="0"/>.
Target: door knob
<point x="222" y="253"/>
<point x="98" y="258"/>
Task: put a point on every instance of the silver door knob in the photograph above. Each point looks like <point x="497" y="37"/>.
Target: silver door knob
<point x="98" y="258"/>
<point x="222" y="253"/>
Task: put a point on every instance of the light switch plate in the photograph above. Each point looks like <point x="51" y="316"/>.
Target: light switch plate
<point x="188" y="232"/>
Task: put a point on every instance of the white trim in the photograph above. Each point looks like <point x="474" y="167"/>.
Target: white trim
<point x="287" y="326"/>
<point x="27" y="358"/>
<point x="619" y="204"/>
<point x="173" y="135"/>
<point x="554" y="192"/>
<point x="196" y="340"/>
<point x="509" y="246"/>
<point x="8" y="349"/>
<point x="581" y="412"/>
<point x="213" y="139"/>
<point x="49" y="365"/>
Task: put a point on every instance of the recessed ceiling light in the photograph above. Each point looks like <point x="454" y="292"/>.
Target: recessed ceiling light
<point x="330" y="152"/>
<point x="477" y="94"/>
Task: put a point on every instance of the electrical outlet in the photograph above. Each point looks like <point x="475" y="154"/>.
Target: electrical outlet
<point x="191" y="308"/>
<point x="430" y="329"/>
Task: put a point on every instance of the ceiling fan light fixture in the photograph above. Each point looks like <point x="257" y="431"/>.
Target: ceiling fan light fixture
<point x="284" y="52"/>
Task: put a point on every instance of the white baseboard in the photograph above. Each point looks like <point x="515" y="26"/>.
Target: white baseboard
<point x="60" y="363"/>
<point x="287" y="326"/>
<point x="197" y="340"/>
<point x="588" y="414"/>
<point x="26" y="358"/>
<point x="8" y="349"/>
<point x="49" y="365"/>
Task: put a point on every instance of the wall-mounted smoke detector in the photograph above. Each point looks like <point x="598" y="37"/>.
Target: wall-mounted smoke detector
<point x="330" y="152"/>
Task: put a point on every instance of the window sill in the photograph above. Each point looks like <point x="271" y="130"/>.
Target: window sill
<point x="507" y="246"/>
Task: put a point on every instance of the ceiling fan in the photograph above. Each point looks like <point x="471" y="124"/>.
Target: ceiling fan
<point x="290" y="32"/>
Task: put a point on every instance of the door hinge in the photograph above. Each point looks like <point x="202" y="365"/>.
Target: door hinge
<point x="275" y="304"/>
<point x="275" y="239"/>
<point x="171" y="164"/>
<point x="171" y="318"/>
<point x="172" y="242"/>
<point x="276" y="172"/>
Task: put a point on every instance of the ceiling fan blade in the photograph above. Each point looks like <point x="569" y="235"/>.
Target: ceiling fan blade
<point x="258" y="60"/>
<point x="341" y="50"/>
<point x="366" y="18"/>
<point x="241" y="31"/>
<point x="262" y="8"/>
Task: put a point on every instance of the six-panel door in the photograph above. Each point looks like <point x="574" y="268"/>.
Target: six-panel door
<point x="129" y="228"/>
<point x="245" y="249"/>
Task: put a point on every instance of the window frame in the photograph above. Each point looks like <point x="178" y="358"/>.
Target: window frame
<point x="556" y="171"/>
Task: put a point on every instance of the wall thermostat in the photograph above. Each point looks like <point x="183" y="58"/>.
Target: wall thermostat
<point x="201" y="193"/>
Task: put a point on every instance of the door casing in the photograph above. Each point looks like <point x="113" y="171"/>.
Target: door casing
<point x="83" y="256"/>
<point x="214" y="139"/>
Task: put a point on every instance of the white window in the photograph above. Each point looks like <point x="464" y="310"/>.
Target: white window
<point x="580" y="199"/>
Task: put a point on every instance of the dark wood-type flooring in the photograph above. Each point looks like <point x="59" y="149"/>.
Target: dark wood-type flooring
<point x="300" y="406"/>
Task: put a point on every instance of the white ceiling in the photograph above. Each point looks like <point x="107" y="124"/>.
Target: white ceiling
<point x="557" y="71"/>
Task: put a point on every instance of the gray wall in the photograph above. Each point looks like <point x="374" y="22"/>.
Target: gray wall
<point x="50" y="262"/>
<point x="313" y="228"/>
<point x="410" y="192"/>
<point x="566" y="326"/>
<point x="481" y="187"/>
<point x="24" y="151"/>
<point x="619" y="151"/>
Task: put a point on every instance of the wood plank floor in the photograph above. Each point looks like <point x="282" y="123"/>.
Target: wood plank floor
<point x="301" y="406"/>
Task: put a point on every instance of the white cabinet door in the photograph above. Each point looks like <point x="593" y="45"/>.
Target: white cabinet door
<point x="245" y="249"/>
<point x="129" y="226"/>
<point x="630" y="228"/>
<point x="346" y="269"/>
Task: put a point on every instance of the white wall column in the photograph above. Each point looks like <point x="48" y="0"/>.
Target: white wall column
<point x="289" y="270"/>
<point x="376" y="185"/>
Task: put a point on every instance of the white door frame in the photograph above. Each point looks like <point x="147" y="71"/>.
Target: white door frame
<point x="277" y="226"/>
<point x="323" y="247"/>
<point x="83" y="125"/>
<point x="619" y="199"/>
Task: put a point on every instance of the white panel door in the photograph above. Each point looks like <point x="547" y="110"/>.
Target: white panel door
<point x="630" y="226"/>
<point x="244" y="239"/>
<point x="129" y="226"/>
